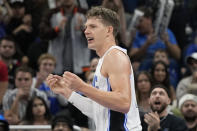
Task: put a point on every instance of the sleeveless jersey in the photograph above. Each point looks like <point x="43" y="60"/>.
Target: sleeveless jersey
<point x="106" y="119"/>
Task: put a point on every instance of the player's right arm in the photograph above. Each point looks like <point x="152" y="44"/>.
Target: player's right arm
<point x="57" y="85"/>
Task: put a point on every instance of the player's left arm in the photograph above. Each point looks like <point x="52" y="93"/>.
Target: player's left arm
<point x="116" y="67"/>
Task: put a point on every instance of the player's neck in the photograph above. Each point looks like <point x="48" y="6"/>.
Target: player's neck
<point x="105" y="46"/>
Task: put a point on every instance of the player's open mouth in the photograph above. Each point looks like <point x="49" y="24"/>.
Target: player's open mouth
<point x="90" y="39"/>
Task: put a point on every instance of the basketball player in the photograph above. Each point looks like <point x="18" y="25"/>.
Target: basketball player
<point x="111" y="101"/>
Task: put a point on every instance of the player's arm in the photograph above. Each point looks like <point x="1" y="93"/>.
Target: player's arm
<point x="57" y="85"/>
<point x="116" y="67"/>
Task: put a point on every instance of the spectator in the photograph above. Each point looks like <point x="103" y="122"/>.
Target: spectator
<point x="36" y="8"/>
<point x="17" y="14"/>
<point x="188" y="107"/>
<point x="160" y="75"/>
<point x="3" y="81"/>
<point x="7" y="54"/>
<point x="159" y="118"/>
<point x="187" y="82"/>
<point x="4" y="126"/>
<point x="90" y="78"/>
<point x="93" y="64"/>
<point x="191" y="48"/>
<point x="143" y="88"/>
<point x="62" y="122"/>
<point x="46" y="63"/>
<point x="92" y="67"/>
<point x="15" y="101"/>
<point x="24" y="34"/>
<point x="37" y="112"/>
<point x="2" y="23"/>
<point x="117" y="6"/>
<point x="64" y="28"/>
<point x="173" y="67"/>
<point x="146" y="42"/>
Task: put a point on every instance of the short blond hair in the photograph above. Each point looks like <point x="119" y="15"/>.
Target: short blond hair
<point x="108" y="17"/>
<point x="46" y="56"/>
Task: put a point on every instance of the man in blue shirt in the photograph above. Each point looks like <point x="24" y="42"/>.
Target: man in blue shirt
<point x="146" y="42"/>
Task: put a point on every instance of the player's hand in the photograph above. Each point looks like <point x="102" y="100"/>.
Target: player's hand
<point x="58" y="85"/>
<point x="153" y="121"/>
<point x="73" y="81"/>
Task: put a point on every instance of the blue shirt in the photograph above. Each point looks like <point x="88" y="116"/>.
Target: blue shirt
<point x="140" y="40"/>
<point x="54" y="103"/>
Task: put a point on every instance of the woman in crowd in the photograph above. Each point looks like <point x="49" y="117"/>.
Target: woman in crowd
<point x="37" y="113"/>
<point x="160" y="75"/>
<point x="143" y="87"/>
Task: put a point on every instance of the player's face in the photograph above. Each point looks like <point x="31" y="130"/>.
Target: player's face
<point x="159" y="100"/>
<point x="95" y="32"/>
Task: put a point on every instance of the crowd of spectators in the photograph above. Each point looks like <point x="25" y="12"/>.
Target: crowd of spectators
<point x="39" y="37"/>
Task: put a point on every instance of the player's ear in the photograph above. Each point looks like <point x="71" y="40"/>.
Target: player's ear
<point x="110" y="29"/>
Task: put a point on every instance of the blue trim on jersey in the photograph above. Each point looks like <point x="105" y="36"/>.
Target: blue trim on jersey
<point x="125" y="123"/>
<point x="94" y="82"/>
<point x="108" y="89"/>
<point x="108" y="85"/>
<point x="109" y="120"/>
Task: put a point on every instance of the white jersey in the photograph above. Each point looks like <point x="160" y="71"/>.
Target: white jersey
<point x="104" y="118"/>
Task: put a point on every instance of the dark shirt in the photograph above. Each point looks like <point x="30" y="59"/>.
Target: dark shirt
<point x="168" y="123"/>
<point x="193" y="129"/>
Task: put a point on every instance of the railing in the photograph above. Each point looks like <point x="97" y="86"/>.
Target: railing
<point x="36" y="127"/>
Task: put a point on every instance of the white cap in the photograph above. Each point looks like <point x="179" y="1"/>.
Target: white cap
<point x="187" y="97"/>
<point x="192" y="56"/>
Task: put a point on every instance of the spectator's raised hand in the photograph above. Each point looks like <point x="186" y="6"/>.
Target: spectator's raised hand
<point x="22" y="27"/>
<point x="164" y="37"/>
<point x="152" y="38"/>
<point x="118" y="3"/>
<point x="62" y="23"/>
<point x="153" y="121"/>
<point x="22" y="93"/>
<point x="79" y="24"/>
<point x="41" y="76"/>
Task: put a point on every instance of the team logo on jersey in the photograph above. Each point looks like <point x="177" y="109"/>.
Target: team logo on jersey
<point x="95" y="82"/>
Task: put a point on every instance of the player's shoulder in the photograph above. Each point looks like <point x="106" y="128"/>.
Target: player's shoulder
<point x="117" y="57"/>
<point x="117" y="54"/>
